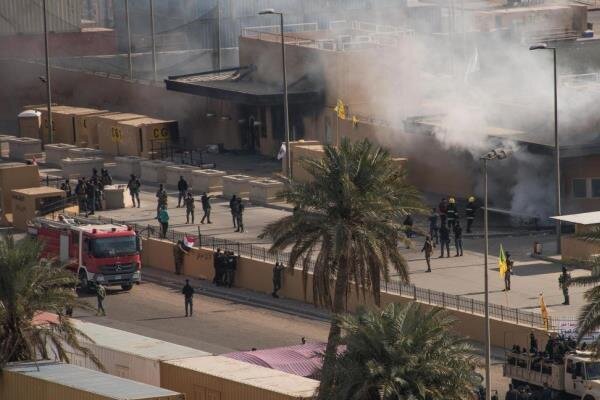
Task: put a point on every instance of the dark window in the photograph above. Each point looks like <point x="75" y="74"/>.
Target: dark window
<point x="596" y="187"/>
<point x="579" y="188"/>
<point x="277" y="124"/>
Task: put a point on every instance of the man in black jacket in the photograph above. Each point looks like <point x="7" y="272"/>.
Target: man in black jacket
<point x="188" y="293"/>
<point x="182" y="187"/>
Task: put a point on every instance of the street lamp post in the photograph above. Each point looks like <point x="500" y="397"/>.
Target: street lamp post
<point x="129" y="62"/>
<point x="152" y="33"/>
<point x="497" y="154"/>
<point x="270" y="11"/>
<point x="48" y="88"/>
<point x="544" y="46"/>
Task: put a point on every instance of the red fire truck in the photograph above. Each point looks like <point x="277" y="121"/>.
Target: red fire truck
<point x="98" y="253"/>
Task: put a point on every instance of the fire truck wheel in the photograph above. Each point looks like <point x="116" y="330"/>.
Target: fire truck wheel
<point x="127" y="287"/>
<point x="84" y="284"/>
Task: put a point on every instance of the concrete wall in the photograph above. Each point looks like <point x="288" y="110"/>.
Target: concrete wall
<point x="257" y="275"/>
<point x="574" y="248"/>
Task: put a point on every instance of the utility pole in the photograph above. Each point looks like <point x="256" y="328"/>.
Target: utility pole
<point x="128" y="40"/>
<point x="153" y="39"/>
<point x="48" y="88"/>
<point x="218" y="35"/>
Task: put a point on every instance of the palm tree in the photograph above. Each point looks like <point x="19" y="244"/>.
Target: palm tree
<point x="345" y="225"/>
<point x="402" y="352"/>
<point x="29" y="286"/>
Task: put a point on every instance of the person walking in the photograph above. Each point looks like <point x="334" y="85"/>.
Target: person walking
<point x="563" y="283"/>
<point x="161" y="198"/>
<point x="206" y="207"/>
<point x="277" y="278"/>
<point x="233" y="209"/>
<point x="444" y="240"/>
<point x="189" y="207"/>
<point x="134" y="189"/>
<point x="100" y="296"/>
<point x="458" y="241"/>
<point x="508" y="273"/>
<point x="428" y="250"/>
<point x="66" y="187"/>
<point x="163" y="219"/>
<point x="470" y="213"/>
<point x="188" y="294"/>
<point x="452" y="213"/>
<point x="182" y="187"/>
<point x="240" y="215"/>
<point x="433" y="227"/>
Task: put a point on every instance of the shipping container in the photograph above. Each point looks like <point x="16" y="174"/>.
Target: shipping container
<point x="102" y="134"/>
<point x="25" y="16"/>
<point x="65" y="123"/>
<point x="135" y="137"/>
<point x="126" y="354"/>
<point x="223" y="378"/>
<point x="51" y="380"/>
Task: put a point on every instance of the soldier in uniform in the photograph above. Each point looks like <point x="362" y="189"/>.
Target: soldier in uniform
<point x="452" y="213"/>
<point x="509" y="268"/>
<point x="428" y="250"/>
<point x="161" y="197"/>
<point x="179" y="253"/>
<point x="134" y="189"/>
<point x="563" y="283"/>
<point x="470" y="213"/>
<point x="189" y="207"/>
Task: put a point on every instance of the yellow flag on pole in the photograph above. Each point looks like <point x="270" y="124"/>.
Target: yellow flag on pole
<point x="340" y="109"/>
<point x="354" y="121"/>
<point x="544" y="310"/>
<point x="502" y="266"/>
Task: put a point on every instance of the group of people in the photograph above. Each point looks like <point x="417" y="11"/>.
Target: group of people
<point x="225" y="264"/>
<point x="89" y="192"/>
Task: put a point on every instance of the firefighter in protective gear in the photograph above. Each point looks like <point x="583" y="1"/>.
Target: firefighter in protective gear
<point x="470" y="213"/>
<point x="452" y="213"/>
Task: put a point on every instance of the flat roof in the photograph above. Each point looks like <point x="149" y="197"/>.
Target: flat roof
<point x="118" y="116"/>
<point x="147" y="121"/>
<point x="40" y="190"/>
<point x="88" y="380"/>
<point x="251" y="375"/>
<point x="138" y="345"/>
<point x="589" y="218"/>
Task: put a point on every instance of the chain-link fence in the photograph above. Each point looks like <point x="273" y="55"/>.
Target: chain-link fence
<point x="421" y="295"/>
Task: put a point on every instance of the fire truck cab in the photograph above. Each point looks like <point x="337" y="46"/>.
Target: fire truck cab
<point x="98" y="253"/>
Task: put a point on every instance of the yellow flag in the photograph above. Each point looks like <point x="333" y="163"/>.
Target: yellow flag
<point x="502" y="263"/>
<point x="340" y="109"/>
<point x="544" y="310"/>
<point x="354" y="121"/>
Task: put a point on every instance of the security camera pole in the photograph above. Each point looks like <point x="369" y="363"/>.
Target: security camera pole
<point x="48" y="91"/>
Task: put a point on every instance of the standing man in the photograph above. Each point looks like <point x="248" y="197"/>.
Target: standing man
<point x="470" y="213"/>
<point x="66" y="187"/>
<point x="433" y="227"/>
<point x="458" y="242"/>
<point x="163" y="219"/>
<point x="408" y="226"/>
<point x="452" y="212"/>
<point x="444" y="240"/>
<point x="179" y="253"/>
<point x="100" y="295"/>
<point x="205" y="199"/>
<point x="277" y="278"/>
<point x="218" y="266"/>
<point x="161" y="198"/>
<point x="233" y="208"/>
<point x="563" y="283"/>
<point x="509" y="268"/>
<point x="182" y="187"/>
<point x="240" y="215"/>
<point x="80" y="191"/>
<point x="428" y="250"/>
<point x="443" y="209"/>
<point x="134" y="189"/>
<point x="188" y="294"/>
<point x="189" y="207"/>
<point x="90" y="189"/>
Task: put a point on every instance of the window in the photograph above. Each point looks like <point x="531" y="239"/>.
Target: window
<point x="595" y="187"/>
<point x="580" y="188"/>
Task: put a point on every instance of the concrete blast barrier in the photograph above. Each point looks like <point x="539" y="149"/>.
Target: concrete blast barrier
<point x="208" y="180"/>
<point x="82" y="166"/>
<point x="154" y="170"/>
<point x="116" y="197"/>
<point x="236" y="184"/>
<point x="128" y="165"/>
<point x="4" y="146"/>
<point x="173" y="172"/>
<point x="79" y="152"/>
<point x="265" y="190"/>
<point x="20" y="147"/>
<point x="56" y="152"/>
<point x="30" y="123"/>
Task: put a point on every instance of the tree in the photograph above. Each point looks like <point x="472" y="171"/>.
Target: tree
<point x="29" y="286"/>
<point x="346" y="225"/>
<point x="402" y="352"/>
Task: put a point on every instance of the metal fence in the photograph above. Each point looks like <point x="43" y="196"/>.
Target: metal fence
<point x="410" y="291"/>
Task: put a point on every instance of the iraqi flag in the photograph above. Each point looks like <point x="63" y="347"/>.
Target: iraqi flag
<point x="188" y="241"/>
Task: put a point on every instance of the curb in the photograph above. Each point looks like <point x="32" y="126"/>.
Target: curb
<point x="548" y="259"/>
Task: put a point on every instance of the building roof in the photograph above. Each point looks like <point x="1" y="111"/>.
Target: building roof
<point x="304" y="360"/>
<point x="237" y="85"/>
<point x="41" y="190"/>
<point x="589" y="218"/>
<point x="88" y="380"/>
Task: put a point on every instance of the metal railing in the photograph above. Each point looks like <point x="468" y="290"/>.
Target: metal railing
<point x="426" y="296"/>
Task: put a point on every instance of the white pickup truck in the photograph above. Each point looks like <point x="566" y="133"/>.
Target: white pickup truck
<point x="577" y="377"/>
